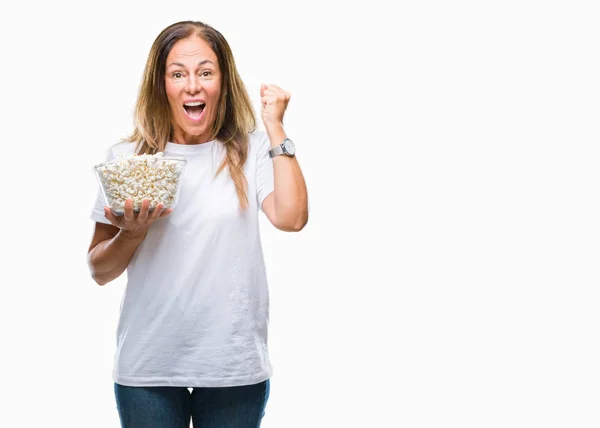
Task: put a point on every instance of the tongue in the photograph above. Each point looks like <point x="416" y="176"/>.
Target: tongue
<point x="195" y="111"/>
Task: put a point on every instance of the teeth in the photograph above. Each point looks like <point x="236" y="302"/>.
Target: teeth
<point x="194" y="104"/>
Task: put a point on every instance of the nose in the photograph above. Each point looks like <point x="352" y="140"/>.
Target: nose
<point x="193" y="85"/>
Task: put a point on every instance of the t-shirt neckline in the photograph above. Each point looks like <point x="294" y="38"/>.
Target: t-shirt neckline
<point x="189" y="148"/>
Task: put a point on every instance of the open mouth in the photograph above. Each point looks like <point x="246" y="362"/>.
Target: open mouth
<point x="194" y="109"/>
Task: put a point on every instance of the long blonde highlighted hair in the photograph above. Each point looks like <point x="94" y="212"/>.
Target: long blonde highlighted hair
<point x="235" y="118"/>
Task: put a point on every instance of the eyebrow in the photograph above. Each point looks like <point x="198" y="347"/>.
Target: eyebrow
<point x="182" y="65"/>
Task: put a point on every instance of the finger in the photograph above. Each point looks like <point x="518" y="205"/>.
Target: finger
<point x="157" y="211"/>
<point x="282" y="95"/>
<point x="270" y="89"/>
<point x="276" y="97"/>
<point x="269" y="92"/>
<point x="263" y="87"/>
<point x="276" y="88"/>
<point x="143" y="215"/>
<point x="110" y="216"/>
<point x="268" y="100"/>
<point x="165" y="213"/>
<point x="265" y="102"/>
<point x="128" y="211"/>
<point x="278" y="92"/>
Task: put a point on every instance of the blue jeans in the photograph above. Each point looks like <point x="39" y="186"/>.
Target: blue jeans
<point x="172" y="407"/>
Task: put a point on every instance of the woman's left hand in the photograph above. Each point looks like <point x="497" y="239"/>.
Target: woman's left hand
<point x="274" y="101"/>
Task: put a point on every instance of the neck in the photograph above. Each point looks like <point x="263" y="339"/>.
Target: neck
<point x="180" y="137"/>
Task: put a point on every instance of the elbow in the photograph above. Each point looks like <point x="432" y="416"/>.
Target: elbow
<point x="93" y="272"/>
<point x="99" y="277"/>
<point x="296" y="226"/>
<point x="99" y="280"/>
<point x="299" y="226"/>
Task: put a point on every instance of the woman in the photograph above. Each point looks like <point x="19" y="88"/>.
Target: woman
<point x="192" y="332"/>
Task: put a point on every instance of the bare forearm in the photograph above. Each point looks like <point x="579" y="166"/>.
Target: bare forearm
<point x="291" y="199"/>
<point x="109" y="259"/>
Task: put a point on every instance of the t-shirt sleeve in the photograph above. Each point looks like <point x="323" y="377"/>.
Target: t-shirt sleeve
<point x="97" y="213"/>
<point x="265" y="183"/>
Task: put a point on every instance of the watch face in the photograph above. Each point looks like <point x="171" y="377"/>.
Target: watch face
<point x="290" y="147"/>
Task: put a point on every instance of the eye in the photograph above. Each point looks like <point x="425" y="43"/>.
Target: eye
<point x="177" y="74"/>
<point x="206" y="74"/>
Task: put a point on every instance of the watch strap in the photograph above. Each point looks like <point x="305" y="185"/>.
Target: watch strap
<point x="276" y="151"/>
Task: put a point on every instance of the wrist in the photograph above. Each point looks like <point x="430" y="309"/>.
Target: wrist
<point x="132" y="236"/>
<point x="276" y="134"/>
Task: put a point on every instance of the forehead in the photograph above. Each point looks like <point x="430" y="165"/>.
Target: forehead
<point x="190" y="51"/>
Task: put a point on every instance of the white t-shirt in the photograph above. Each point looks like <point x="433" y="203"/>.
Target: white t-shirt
<point x="195" y="309"/>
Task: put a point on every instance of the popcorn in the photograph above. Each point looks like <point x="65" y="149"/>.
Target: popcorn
<point x="139" y="177"/>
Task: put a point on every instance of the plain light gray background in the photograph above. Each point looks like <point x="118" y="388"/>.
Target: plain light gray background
<point x="448" y="276"/>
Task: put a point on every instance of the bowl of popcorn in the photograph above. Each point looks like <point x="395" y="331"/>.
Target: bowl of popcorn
<point x="138" y="177"/>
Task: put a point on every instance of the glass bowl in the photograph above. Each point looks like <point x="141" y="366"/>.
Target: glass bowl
<point x="140" y="177"/>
